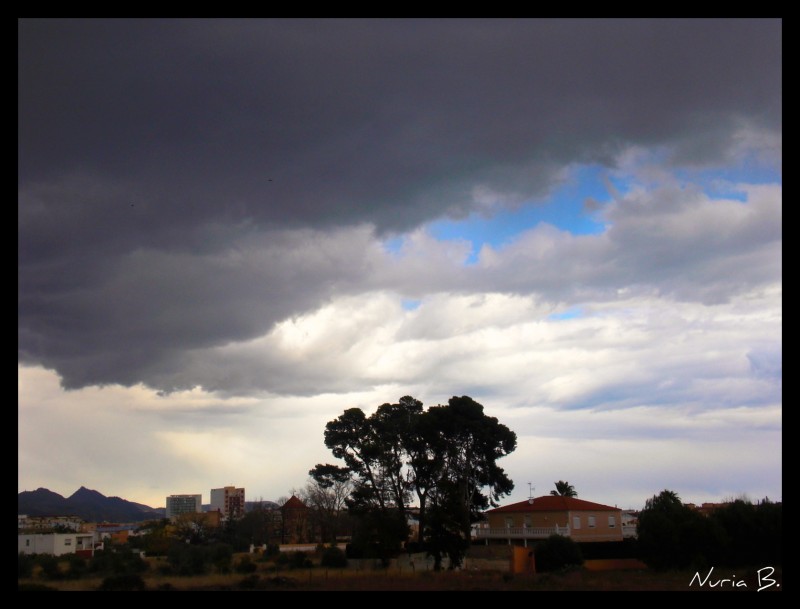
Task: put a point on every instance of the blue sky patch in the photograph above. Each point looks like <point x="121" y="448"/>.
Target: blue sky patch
<point x="570" y="313"/>
<point x="564" y="209"/>
<point x="411" y="304"/>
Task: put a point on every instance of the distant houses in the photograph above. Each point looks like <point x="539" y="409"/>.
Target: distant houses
<point x="296" y="523"/>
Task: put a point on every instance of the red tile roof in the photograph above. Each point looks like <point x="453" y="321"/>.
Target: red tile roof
<point x="294" y="502"/>
<point x="553" y="503"/>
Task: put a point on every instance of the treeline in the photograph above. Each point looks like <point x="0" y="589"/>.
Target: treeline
<point x="672" y="535"/>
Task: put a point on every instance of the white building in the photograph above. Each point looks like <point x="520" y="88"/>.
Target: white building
<point x="229" y="501"/>
<point x="48" y="522"/>
<point x="55" y="543"/>
<point x="183" y="504"/>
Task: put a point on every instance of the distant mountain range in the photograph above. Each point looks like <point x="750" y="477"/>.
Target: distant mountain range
<point x="92" y="506"/>
<point x="84" y="503"/>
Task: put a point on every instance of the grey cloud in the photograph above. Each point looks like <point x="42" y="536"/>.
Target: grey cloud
<point x="151" y="151"/>
<point x="378" y="120"/>
<point x="766" y="362"/>
<point x="138" y="319"/>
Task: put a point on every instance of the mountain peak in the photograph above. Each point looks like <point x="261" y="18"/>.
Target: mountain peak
<point x="86" y="493"/>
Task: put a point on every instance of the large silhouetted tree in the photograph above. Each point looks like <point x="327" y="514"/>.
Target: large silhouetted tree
<point x="445" y="456"/>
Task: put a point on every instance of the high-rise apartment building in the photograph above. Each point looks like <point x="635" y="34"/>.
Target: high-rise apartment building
<point x="229" y="501"/>
<point x="183" y="504"/>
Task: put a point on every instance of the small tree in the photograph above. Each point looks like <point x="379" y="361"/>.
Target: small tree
<point x="557" y="552"/>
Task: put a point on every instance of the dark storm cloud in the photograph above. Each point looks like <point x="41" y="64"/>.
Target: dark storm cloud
<point x="359" y="120"/>
<point x="150" y="150"/>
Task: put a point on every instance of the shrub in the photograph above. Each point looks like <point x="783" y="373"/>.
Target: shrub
<point x="333" y="557"/>
<point x="300" y="560"/>
<point x="25" y="564"/>
<point x="245" y="565"/>
<point x="123" y="583"/>
<point x="557" y="552"/>
<point x="117" y="562"/>
<point x="50" y="566"/>
<point x="188" y="560"/>
<point x="76" y="567"/>
<point x="221" y="554"/>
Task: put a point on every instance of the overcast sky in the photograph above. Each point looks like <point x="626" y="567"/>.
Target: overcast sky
<point x="230" y="231"/>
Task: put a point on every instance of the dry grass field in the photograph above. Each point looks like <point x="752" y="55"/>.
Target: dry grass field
<point x="321" y="579"/>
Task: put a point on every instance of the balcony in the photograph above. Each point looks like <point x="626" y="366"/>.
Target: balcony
<point x="533" y="533"/>
<point x="519" y="532"/>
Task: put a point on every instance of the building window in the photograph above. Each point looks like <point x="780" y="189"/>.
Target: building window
<point x="612" y="522"/>
<point x="576" y="522"/>
<point x="591" y="522"/>
<point x="27" y="542"/>
<point x="527" y="523"/>
<point x="509" y="522"/>
<point x="67" y="542"/>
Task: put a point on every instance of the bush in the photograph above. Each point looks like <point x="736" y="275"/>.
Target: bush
<point x="123" y="583"/>
<point x="245" y="565"/>
<point x="50" y="566"/>
<point x="300" y="560"/>
<point x="25" y="564"/>
<point x="557" y="552"/>
<point x="333" y="557"/>
<point x="118" y="561"/>
<point x="221" y="554"/>
<point x="188" y="560"/>
<point x="76" y="567"/>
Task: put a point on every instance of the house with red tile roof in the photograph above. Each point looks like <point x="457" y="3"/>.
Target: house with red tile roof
<point x="540" y="517"/>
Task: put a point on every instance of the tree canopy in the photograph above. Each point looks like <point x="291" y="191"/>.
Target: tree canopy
<point x="445" y="458"/>
<point x="564" y="489"/>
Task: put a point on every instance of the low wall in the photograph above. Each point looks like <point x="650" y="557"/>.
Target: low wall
<point x="405" y="563"/>
<point x="487" y="564"/>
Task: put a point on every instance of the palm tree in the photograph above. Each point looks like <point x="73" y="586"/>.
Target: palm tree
<point x="564" y="489"/>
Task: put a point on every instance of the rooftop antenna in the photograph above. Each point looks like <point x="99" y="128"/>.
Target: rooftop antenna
<point x="530" y="493"/>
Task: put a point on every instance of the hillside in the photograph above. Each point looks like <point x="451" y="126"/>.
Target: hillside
<point x="93" y="506"/>
<point x="87" y="504"/>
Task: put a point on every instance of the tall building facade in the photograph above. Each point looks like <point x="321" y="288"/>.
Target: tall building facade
<point x="229" y="500"/>
<point x="183" y="504"/>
